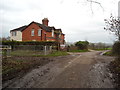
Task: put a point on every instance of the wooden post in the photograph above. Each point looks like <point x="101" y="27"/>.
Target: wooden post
<point x="50" y="48"/>
<point x="5" y="53"/>
<point x="45" y="49"/>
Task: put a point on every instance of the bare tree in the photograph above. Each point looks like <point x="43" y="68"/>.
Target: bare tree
<point x="91" y="3"/>
<point x="113" y="25"/>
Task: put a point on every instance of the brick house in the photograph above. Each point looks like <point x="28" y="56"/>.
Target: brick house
<point x="37" y="32"/>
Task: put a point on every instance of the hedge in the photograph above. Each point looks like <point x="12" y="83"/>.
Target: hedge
<point x="12" y="43"/>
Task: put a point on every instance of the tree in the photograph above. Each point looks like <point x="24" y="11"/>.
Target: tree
<point x="4" y="38"/>
<point x="113" y="25"/>
<point x="91" y="3"/>
<point x="82" y="45"/>
<point x="116" y="49"/>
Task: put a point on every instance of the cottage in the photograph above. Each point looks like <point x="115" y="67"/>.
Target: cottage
<point x="37" y="32"/>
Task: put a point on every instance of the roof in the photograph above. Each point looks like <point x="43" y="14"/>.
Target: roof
<point x="20" y="28"/>
<point x="58" y="30"/>
<point x="47" y="28"/>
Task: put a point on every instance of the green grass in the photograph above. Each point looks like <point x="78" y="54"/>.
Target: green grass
<point x="37" y="53"/>
<point x="103" y="49"/>
<point x="54" y="54"/>
<point x="109" y="53"/>
<point x="79" y="50"/>
<point x="24" y="53"/>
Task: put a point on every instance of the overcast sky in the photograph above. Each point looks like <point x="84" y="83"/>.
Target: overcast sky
<point x="74" y="17"/>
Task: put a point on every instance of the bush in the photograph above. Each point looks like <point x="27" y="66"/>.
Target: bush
<point x="29" y="43"/>
<point x="82" y="45"/>
<point x="116" y="48"/>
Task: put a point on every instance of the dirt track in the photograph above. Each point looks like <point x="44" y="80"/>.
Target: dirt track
<point x="77" y="70"/>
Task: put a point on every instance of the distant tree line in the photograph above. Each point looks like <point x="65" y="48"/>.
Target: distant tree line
<point x="99" y="46"/>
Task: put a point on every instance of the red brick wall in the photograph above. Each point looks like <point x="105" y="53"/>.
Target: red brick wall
<point x="49" y="34"/>
<point x="62" y="38"/>
<point x="26" y="34"/>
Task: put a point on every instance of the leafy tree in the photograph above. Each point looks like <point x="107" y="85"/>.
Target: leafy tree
<point x="113" y="25"/>
<point x="82" y="45"/>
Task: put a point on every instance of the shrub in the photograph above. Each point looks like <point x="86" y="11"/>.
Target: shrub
<point x="82" y="45"/>
<point x="28" y="43"/>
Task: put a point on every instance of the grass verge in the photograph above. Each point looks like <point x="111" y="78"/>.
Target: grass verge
<point x="109" y="53"/>
<point x="25" y="53"/>
<point x="79" y="50"/>
<point x="103" y="49"/>
<point x="53" y="54"/>
<point x="37" y="53"/>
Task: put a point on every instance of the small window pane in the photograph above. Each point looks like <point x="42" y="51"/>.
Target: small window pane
<point x="39" y="32"/>
<point x="14" y="33"/>
<point x="32" y="32"/>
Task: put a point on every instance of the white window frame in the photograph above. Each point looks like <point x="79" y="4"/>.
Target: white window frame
<point x="32" y="32"/>
<point x="39" y="32"/>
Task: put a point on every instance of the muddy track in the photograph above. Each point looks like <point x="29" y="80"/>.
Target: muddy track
<point x="78" y="70"/>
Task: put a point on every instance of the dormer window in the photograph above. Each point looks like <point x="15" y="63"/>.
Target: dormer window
<point x="52" y="33"/>
<point x="32" y="32"/>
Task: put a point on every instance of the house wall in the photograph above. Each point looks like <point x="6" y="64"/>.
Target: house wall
<point x="18" y="36"/>
<point x="49" y="37"/>
<point x="26" y="34"/>
<point x="62" y="39"/>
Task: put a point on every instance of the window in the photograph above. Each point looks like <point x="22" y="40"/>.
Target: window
<point x="39" y="32"/>
<point x="32" y="32"/>
<point x="14" y="33"/>
<point x="34" y="40"/>
<point x="60" y="35"/>
<point x="52" y="33"/>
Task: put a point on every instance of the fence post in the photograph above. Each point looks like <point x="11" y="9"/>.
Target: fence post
<point x="45" y="49"/>
<point x="50" y="48"/>
<point x="5" y="53"/>
<point x="9" y="51"/>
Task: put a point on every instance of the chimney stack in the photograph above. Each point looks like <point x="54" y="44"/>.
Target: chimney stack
<point x="45" y="21"/>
